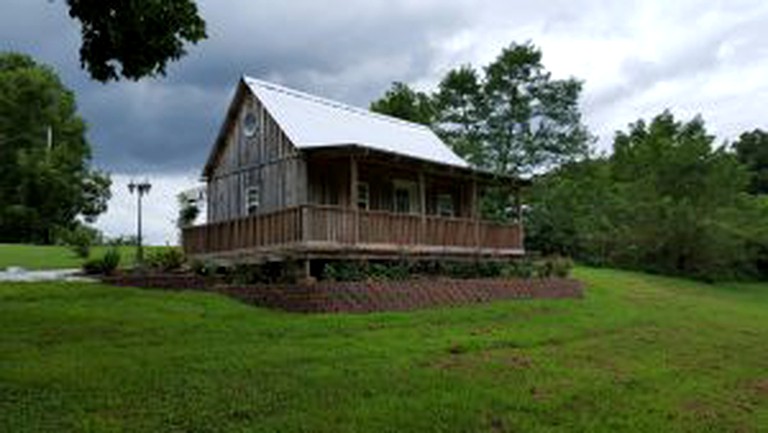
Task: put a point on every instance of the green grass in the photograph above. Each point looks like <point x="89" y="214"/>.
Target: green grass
<point x="639" y="353"/>
<point x="55" y="256"/>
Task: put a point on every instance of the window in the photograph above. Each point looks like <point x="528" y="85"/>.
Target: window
<point x="445" y="205"/>
<point x="250" y="124"/>
<point x="363" y="196"/>
<point x="252" y="200"/>
<point x="405" y="196"/>
<point x="402" y="200"/>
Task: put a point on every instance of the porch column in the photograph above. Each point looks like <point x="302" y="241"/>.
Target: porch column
<point x="519" y="214"/>
<point x="353" y="198"/>
<point x="423" y="205"/>
<point x="475" y="213"/>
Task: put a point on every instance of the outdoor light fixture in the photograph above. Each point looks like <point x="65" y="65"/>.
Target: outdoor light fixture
<point x="141" y="188"/>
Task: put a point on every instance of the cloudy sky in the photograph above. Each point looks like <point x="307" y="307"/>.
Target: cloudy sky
<point x="636" y="58"/>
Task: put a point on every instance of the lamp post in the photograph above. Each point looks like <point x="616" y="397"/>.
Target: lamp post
<point x="141" y="189"/>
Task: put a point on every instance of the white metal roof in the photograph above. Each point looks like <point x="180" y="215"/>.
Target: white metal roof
<point x="314" y="122"/>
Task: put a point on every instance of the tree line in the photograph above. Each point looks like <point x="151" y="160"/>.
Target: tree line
<point x="667" y="198"/>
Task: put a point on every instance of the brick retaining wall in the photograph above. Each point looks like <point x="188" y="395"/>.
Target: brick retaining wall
<point x="364" y="297"/>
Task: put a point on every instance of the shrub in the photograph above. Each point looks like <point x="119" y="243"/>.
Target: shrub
<point x="203" y="269"/>
<point x="543" y="268"/>
<point x="82" y="250"/>
<point x="166" y="259"/>
<point x="110" y="261"/>
<point x="561" y="266"/>
<point x="92" y="266"/>
<point x="79" y="238"/>
<point x="344" y="271"/>
<point x="555" y="266"/>
<point x="520" y="268"/>
<point x="107" y="264"/>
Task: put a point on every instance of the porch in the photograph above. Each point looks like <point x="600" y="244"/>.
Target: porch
<point x="330" y="231"/>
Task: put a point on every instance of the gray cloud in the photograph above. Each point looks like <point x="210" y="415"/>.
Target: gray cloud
<point x="350" y="52"/>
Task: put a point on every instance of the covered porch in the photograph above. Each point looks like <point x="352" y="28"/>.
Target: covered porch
<point x="368" y="205"/>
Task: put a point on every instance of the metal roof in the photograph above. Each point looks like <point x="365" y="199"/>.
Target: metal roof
<point x="312" y="122"/>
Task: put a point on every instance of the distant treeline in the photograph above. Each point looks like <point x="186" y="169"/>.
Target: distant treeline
<point x="666" y="200"/>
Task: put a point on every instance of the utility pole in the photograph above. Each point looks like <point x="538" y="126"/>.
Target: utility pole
<point x="141" y="189"/>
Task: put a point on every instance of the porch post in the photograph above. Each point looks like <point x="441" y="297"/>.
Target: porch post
<point x="519" y="212"/>
<point x="475" y="212"/>
<point x="423" y="204"/>
<point x="353" y="198"/>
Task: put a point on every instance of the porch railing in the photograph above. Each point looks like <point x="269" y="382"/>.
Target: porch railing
<point x="321" y="224"/>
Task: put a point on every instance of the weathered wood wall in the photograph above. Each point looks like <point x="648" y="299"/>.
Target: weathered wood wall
<point x="267" y="159"/>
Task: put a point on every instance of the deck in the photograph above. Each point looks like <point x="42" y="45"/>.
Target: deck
<point x="323" y="231"/>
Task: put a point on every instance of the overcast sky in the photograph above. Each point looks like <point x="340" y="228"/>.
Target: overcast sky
<point x="636" y="58"/>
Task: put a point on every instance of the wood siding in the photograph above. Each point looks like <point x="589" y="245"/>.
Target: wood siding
<point x="267" y="160"/>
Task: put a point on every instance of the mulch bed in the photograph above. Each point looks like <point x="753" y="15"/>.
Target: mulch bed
<point x="365" y="297"/>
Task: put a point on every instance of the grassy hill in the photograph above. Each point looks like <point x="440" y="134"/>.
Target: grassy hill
<point x="55" y="256"/>
<point x="639" y="353"/>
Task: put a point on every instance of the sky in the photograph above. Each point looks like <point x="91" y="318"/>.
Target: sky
<point x="636" y="58"/>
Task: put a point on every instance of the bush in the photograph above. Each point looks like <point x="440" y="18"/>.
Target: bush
<point x="344" y="271"/>
<point x="561" y="266"/>
<point x="82" y="250"/>
<point x="166" y="259"/>
<point x="106" y="265"/>
<point x="79" y="239"/>
<point x="555" y="266"/>
<point x="203" y="269"/>
<point x="520" y="268"/>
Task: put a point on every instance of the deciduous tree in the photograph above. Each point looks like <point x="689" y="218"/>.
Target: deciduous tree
<point x="405" y="103"/>
<point x="134" y="38"/>
<point x="45" y="178"/>
<point x="752" y="150"/>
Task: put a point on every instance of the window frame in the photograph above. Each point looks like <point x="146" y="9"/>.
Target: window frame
<point x="440" y="201"/>
<point x="364" y="199"/>
<point x="252" y="194"/>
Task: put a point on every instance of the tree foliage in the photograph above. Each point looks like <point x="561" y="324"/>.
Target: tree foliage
<point x="752" y="150"/>
<point x="405" y="103"/>
<point x="43" y="189"/>
<point x="533" y="121"/>
<point x="512" y="119"/>
<point x="138" y="36"/>
<point x="666" y="201"/>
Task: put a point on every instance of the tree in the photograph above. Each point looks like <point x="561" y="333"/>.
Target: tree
<point x="44" y="185"/>
<point x="461" y="113"/>
<point x="533" y="122"/>
<point x="405" y="103"/>
<point x="752" y="150"/>
<point x="140" y="36"/>
<point x="667" y="200"/>
<point x="515" y="119"/>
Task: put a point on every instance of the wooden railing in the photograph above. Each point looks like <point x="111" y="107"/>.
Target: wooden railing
<point x="275" y="228"/>
<point x="339" y="225"/>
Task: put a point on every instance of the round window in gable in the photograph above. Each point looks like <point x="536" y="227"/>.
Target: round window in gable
<point x="250" y="124"/>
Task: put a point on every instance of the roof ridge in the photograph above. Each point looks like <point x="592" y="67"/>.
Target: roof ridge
<point x="332" y="103"/>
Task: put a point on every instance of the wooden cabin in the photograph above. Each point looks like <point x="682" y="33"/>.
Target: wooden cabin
<point x="293" y="176"/>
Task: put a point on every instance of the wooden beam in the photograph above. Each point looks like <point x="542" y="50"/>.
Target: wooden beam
<point x="476" y="212"/>
<point x="422" y="204"/>
<point x="353" y="198"/>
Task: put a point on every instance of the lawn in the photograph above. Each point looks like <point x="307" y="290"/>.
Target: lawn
<point x="55" y="256"/>
<point x="639" y="353"/>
